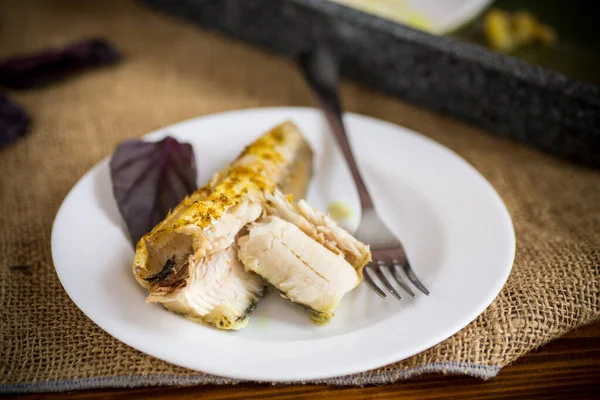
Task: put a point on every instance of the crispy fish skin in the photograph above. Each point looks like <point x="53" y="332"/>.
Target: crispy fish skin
<point x="188" y="262"/>
<point x="310" y="259"/>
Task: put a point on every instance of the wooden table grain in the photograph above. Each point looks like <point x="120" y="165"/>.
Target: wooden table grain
<point x="566" y="368"/>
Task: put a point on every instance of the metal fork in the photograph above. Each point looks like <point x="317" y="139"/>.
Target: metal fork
<point x="320" y="70"/>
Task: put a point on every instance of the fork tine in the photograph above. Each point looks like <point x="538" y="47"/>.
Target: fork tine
<point x="413" y="278"/>
<point x="372" y="284"/>
<point x="387" y="283"/>
<point x="400" y="281"/>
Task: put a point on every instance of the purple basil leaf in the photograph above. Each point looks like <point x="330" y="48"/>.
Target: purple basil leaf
<point x="149" y="179"/>
<point x="52" y="65"/>
<point x="14" y="121"/>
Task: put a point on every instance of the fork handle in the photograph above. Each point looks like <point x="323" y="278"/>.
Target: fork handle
<point x="337" y="126"/>
<point x="320" y="70"/>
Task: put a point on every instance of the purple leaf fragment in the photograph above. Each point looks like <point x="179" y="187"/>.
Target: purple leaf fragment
<point x="14" y="121"/>
<point x="48" y="66"/>
<point x="149" y="179"/>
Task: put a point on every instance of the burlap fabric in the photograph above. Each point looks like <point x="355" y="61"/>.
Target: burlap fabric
<point x="174" y="72"/>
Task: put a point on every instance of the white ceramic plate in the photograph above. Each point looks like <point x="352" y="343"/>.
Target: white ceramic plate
<point x="456" y="230"/>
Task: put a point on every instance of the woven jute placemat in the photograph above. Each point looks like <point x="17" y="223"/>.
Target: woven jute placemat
<point x="173" y="72"/>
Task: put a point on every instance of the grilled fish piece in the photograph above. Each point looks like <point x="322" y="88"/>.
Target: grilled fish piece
<point x="189" y="262"/>
<point x="310" y="259"/>
<point x="321" y="228"/>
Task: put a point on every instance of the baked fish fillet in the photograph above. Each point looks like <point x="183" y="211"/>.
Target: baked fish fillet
<point x="189" y="262"/>
<point x="307" y="256"/>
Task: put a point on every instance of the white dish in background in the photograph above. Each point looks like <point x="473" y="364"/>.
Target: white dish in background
<point x="457" y="232"/>
<point x="434" y="16"/>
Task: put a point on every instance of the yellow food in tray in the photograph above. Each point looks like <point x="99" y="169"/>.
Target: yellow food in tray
<point x="507" y="31"/>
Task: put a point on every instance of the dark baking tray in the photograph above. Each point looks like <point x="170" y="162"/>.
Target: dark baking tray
<point x="498" y="93"/>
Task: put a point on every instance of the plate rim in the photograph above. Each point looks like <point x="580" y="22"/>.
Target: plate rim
<point x="287" y="377"/>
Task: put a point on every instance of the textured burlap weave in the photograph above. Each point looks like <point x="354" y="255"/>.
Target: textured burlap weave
<point x="174" y="72"/>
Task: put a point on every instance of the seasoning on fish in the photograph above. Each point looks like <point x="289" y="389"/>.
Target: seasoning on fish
<point x="189" y="261"/>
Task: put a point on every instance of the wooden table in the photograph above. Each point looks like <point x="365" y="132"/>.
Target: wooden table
<point x="567" y="368"/>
